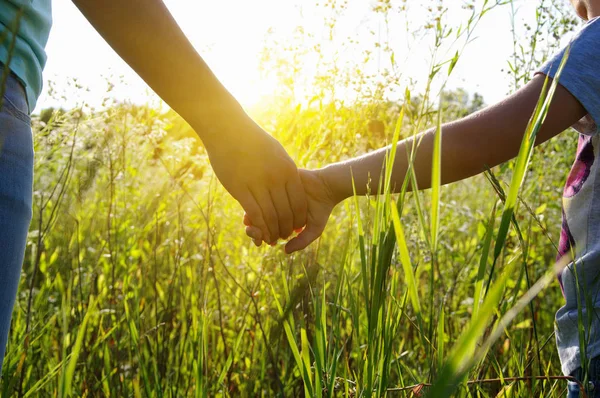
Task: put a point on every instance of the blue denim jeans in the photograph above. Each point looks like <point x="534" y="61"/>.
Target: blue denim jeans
<point x="16" y="187"/>
<point x="593" y="385"/>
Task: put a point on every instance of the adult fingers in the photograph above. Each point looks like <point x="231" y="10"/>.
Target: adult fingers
<point x="297" y="199"/>
<point x="305" y="238"/>
<point x="247" y="221"/>
<point x="269" y="215"/>
<point x="284" y="212"/>
<point x="253" y="212"/>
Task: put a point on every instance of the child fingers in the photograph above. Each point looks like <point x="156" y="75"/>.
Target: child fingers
<point x="305" y="238"/>
<point x="254" y="213"/>
<point x="255" y="234"/>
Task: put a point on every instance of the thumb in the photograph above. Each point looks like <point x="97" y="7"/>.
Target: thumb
<point x="305" y="238"/>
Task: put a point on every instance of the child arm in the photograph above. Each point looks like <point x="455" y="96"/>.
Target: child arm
<point x="469" y="145"/>
<point x="484" y="139"/>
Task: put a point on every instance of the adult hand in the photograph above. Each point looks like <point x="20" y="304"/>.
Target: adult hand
<point x="260" y="175"/>
<point x="321" y="200"/>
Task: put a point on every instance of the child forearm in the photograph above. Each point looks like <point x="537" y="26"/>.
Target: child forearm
<point x="484" y="139"/>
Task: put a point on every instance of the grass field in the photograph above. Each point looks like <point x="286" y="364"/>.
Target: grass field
<point x="139" y="280"/>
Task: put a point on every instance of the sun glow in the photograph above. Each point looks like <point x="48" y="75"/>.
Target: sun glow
<point x="265" y="48"/>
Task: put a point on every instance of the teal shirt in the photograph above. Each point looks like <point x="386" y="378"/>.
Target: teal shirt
<point x="31" y="20"/>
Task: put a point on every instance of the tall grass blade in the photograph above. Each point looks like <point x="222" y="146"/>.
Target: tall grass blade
<point x="489" y="233"/>
<point x="512" y="313"/>
<point x="135" y="339"/>
<point x="522" y="161"/>
<point x="229" y="360"/>
<point x="301" y="357"/>
<point x="460" y="360"/>
<point x="409" y="274"/>
<point x="389" y="167"/>
<point x="441" y="336"/>
<point x="436" y="180"/>
<point x="70" y="371"/>
<point x="306" y="368"/>
<point x="456" y="365"/>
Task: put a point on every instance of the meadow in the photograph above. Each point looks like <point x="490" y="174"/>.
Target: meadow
<point x="139" y="280"/>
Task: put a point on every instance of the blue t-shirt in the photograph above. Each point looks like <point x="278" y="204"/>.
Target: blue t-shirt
<point x="31" y="21"/>
<point x="580" y="235"/>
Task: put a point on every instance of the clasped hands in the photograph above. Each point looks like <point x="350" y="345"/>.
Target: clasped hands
<point x="278" y="199"/>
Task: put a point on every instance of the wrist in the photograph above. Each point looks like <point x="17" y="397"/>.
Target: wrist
<point x="338" y="179"/>
<point x="220" y="122"/>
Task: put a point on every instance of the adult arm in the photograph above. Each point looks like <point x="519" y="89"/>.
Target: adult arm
<point x="252" y="166"/>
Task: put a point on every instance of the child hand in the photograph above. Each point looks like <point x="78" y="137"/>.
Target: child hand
<point x="321" y="202"/>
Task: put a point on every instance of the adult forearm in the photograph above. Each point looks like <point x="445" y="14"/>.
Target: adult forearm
<point x="146" y="36"/>
<point x="253" y="167"/>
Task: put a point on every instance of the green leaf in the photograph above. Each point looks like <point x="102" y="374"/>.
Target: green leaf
<point x="453" y="62"/>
